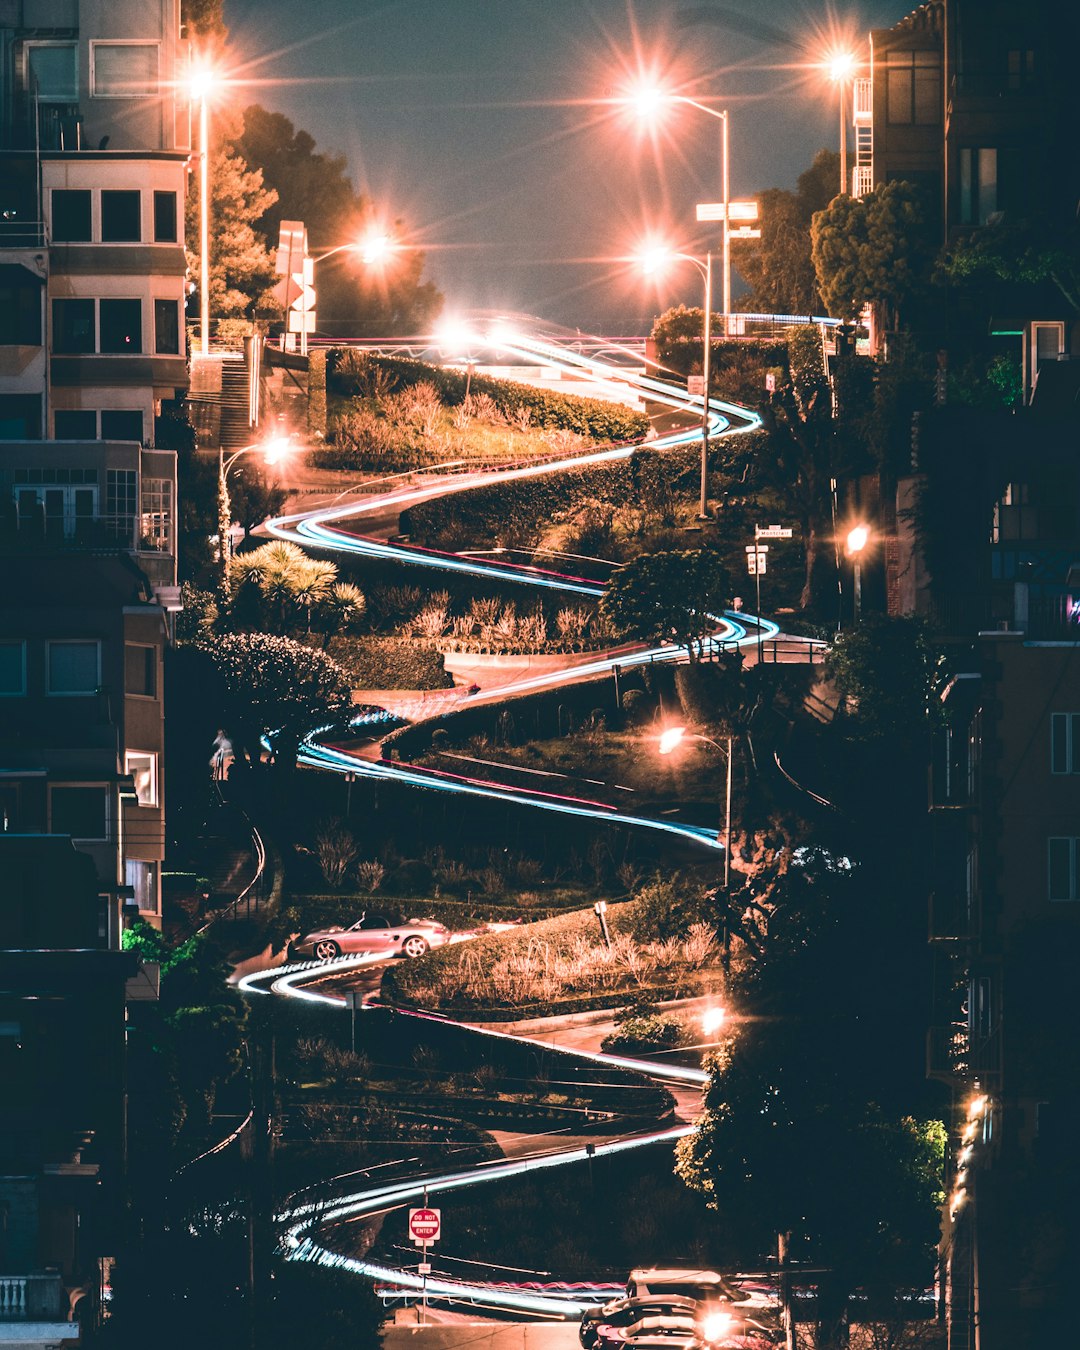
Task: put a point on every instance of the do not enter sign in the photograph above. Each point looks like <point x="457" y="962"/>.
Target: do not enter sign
<point x="424" y="1225"/>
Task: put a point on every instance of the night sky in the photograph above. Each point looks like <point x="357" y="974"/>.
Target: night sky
<point x="472" y="122"/>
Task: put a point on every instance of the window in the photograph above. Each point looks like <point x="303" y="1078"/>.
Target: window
<point x="978" y="185"/>
<point x="1065" y="743"/>
<point x="73" y="667"/>
<point x="167" y="327"/>
<point x="140" y="670"/>
<point x="73" y="326"/>
<point x="71" y="216"/>
<point x="157" y="514"/>
<point x="12" y="668"/>
<point x="165" y="217"/>
<point x="1021" y="68"/>
<point x="121" y="424"/>
<point x="121" y="326"/>
<point x="913" y="88"/>
<point x="81" y="812"/>
<point x="1061" y="868"/>
<point x="124" y="69"/>
<point x="20" y="417"/>
<point x="75" y="424"/>
<point x="142" y="878"/>
<point x="142" y="765"/>
<point x="52" y="71"/>
<point x="121" y="217"/>
<point x="20" y="308"/>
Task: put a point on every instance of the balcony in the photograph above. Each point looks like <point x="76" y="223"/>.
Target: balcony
<point x="955" y="1054"/>
<point x="35" y="1308"/>
<point x="863" y="106"/>
<point x="952" y="917"/>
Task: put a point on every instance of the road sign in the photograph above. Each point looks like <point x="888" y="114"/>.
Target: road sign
<point x="424" y="1268"/>
<point x="757" y="559"/>
<point x="425" y="1225"/>
<point x="735" y="211"/>
<point x="695" y="385"/>
<point x="744" y="232"/>
<point x="772" y="532"/>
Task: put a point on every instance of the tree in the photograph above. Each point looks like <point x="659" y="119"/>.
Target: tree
<point x="315" y="188"/>
<point x="254" y="497"/>
<point x="875" y="249"/>
<point x="889" y="668"/>
<point x="278" y="688"/>
<point x="241" y="270"/>
<point x="668" y="597"/>
<point x="1028" y="254"/>
<point x="778" y="266"/>
<point x="286" y="581"/>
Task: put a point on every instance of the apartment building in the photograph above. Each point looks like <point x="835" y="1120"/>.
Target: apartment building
<point x="1005" y="931"/>
<point x="94" y="144"/>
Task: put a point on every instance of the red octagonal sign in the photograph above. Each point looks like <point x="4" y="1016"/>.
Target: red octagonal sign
<point x="424" y="1224"/>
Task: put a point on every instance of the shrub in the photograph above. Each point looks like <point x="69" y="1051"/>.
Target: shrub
<point x="370" y="875"/>
<point x="636" y="706"/>
<point x="642" y="1033"/>
<point x="335" y="848"/>
<point x="667" y="908"/>
<point x="411" y="876"/>
<point x="390" y="663"/>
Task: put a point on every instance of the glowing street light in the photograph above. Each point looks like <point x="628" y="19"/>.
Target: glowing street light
<point x="670" y="740"/>
<point x="857" y="539"/>
<point x="274" y="451"/>
<point x="650" y="102"/>
<point x="713" y="1019"/>
<point x="841" y="67"/>
<point x="653" y="259"/>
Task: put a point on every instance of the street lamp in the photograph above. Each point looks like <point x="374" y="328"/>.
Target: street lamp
<point x="674" y="737"/>
<point x="841" y="69"/>
<point x="373" y="249"/>
<point x="202" y="84"/>
<point x="652" y="260"/>
<point x="650" y="102"/>
<point x="857" y="539"/>
<point x="273" y="451"/>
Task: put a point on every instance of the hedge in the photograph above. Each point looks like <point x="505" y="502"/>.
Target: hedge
<point x="592" y="417"/>
<point x="391" y="663"/>
<point x="522" y="503"/>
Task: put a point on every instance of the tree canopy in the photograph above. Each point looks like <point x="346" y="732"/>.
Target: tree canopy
<point x="668" y="597"/>
<point x="1026" y="254"/>
<point x="242" y="272"/>
<point x="876" y="249"/>
<point x="778" y="266"/>
<point x="276" y="687"/>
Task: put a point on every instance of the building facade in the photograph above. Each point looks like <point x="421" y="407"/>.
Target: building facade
<point x="94" y="145"/>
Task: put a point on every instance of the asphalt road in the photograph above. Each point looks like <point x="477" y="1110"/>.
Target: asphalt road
<point x="482" y="1336"/>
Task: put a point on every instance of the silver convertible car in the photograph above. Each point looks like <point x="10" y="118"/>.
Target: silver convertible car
<point x="370" y="934"/>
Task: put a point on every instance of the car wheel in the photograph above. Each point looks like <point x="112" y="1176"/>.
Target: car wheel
<point x="414" y="946"/>
<point x="326" y="950"/>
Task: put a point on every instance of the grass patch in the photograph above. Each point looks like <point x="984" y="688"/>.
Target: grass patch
<point x="546" y="964"/>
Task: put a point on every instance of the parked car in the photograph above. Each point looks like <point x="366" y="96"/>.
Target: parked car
<point x="726" y="1315"/>
<point x="624" y="1312"/>
<point x="371" y="933"/>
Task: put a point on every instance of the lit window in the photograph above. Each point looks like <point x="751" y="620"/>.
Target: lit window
<point x="142" y="766"/>
<point x="12" y="669"/>
<point x="73" y="668"/>
<point x="157" y="514"/>
<point x="124" y="69"/>
<point x="142" y="878"/>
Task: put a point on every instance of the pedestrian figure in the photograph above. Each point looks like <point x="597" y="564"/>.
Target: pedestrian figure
<point x="222" y="757"/>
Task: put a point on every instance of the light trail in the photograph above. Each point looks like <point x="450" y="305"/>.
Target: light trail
<point x="327" y="529"/>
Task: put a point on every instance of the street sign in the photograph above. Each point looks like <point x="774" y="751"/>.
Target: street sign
<point x="744" y="232"/>
<point x="770" y="383"/>
<point x="757" y="562"/>
<point x="735" y="211"/>
<point x="695" y="385"/>
<point x="772" y="532"/>
<point x="425" y="1225"/>
<point x="424" y="1268"/>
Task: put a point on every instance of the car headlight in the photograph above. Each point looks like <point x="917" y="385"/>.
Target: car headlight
<point x="716" y="1325"/>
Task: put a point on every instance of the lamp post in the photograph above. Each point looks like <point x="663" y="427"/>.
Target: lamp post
<point x="201" y="83"/>
<point x="857" y="539"/>
<point x="651" y="261"/>
<point x="649" y="101"/>
<point x="273" y="451"/>
<point x="841" y="67"/>
<point x="673" y="737"/>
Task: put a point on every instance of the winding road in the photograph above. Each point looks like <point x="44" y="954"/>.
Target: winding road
<point x="364" y="528"/>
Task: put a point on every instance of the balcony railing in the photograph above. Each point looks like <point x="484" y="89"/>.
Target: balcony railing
<point x="863" y="106"/>
<point x="33" y="1298"/>
<point x="150" y="532"/>
<point x="953" y="918"/>
<point x="954" y="1054"/>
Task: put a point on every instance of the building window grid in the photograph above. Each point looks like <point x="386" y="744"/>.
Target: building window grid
<point x="157" y="514"/>
<point x="52" y="71"/>
<point x="124" y="69"/>
<point x="72" y="667"/>
<point x="913" y="88"/>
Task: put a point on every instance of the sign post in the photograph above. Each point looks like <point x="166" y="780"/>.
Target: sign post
<point x="425" y="1227"/>
<point x="759" y="550"/>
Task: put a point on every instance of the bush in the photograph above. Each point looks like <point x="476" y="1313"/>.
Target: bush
<point x="410" y="876"/>
<point x="636" y="706"/>
<point x="595" y="418"/>
<point x="645" y="1032"/>
<point x="391" y="663"/>
<point x="667" y="908"/>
